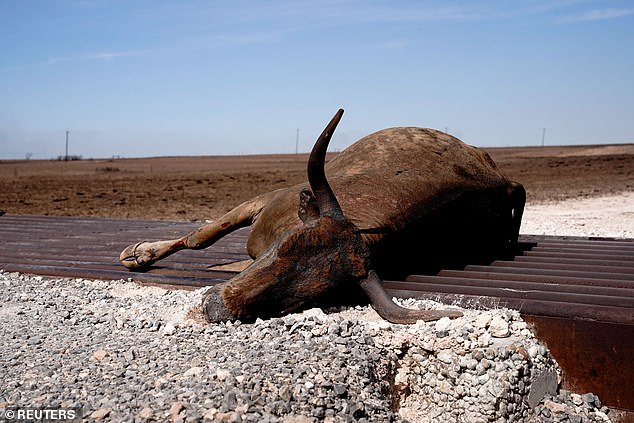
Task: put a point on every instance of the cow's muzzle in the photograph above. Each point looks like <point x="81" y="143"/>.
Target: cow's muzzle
<point x="213" y="306"/>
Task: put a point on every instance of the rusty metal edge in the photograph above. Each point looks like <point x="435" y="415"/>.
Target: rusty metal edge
<point x="464" y="279"/>
<point x="540" y="278"/>
<point x="528" y="306"/>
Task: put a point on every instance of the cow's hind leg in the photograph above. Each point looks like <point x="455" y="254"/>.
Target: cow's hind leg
<point x="143" y="254"/>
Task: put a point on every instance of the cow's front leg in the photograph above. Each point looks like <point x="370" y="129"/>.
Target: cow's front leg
<point x="143" y="254"/>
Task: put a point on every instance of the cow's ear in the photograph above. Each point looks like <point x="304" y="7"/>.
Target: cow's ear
<point x="308" y="210"/>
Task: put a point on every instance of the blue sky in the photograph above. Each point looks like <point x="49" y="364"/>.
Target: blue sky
<point x="154" y="78"/>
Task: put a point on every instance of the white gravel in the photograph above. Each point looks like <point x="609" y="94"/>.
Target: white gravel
<point x="610" y="216"/>
<point x="120" y="352"/>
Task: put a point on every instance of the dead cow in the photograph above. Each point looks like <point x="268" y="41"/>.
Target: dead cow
<point x="407" y="200"/>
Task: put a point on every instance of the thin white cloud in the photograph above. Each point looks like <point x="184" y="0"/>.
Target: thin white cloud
<point x="110" y="55"/>
<point x="99" y="56"/>
<point x="56" y="60"/>
<point x="597" y="15"/>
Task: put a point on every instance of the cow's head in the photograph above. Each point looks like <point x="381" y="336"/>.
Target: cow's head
<point x="308" y="264"/>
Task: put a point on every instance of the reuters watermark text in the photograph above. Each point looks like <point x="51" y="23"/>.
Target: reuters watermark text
<point x="40" y="414"/>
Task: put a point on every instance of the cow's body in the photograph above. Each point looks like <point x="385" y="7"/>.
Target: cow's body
<point x="409" y="191"/>
<point x="418" y="199"/>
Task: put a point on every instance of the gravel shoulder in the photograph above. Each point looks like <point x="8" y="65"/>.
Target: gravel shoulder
<point x="606" y="216"/>
<point x="120" y="352"/>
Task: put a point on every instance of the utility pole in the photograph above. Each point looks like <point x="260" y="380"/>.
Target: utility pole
<point x="543" y="135"/>
<point x="66" y="156"/>
<point x="297" y="142"/>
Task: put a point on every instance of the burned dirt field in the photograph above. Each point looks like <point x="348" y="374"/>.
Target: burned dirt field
<point x="198" y="188"/>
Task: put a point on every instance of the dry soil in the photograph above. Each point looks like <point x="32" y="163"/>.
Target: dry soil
<point x="198" y="188"/>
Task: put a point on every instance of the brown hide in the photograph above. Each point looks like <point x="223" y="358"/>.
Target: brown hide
<point x="398" y="201"/>
<point x="302" y="268"/>
<point x="421" y="198"/>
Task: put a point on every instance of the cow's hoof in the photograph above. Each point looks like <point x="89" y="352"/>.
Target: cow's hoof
<point x="213" y="306"/>
<point x="137" y="257"/>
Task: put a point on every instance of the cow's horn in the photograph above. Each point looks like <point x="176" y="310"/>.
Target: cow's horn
<point x="326" y="199"/>
<point x="392" y="312"/>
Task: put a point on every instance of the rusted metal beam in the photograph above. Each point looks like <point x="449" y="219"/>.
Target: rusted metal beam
<point x="595" y="356"/>
<point x="539" y="278"/>
<point x="179" y="280"/>
<point x="549" y="271"/>
<point x="619" y="294"/>
<point x="567" y="267"/>
<point x="607" y="256"/>
<point x="585" y="261"/>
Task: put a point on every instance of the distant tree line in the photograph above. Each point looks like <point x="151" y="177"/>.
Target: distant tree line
<point x="68" y="158"/>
